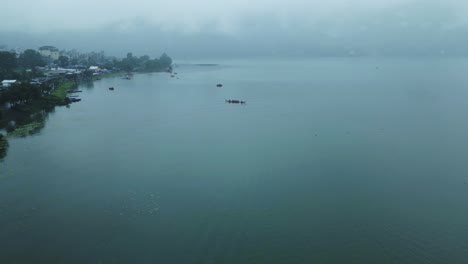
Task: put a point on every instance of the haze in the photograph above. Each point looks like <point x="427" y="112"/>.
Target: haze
<point x="240" y="28"/>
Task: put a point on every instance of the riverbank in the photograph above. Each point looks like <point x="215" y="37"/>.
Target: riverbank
<point x="62" y="89"/>
<point x="27" y="129"/>
<point x="108" y="75"/>
<point x="29" y="118"/>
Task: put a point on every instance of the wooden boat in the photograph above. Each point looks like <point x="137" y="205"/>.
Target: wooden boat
<point x="73" y="100"/>
<point x="229" y="101"/>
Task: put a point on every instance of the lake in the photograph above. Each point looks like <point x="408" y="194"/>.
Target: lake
<point x="331" y="160"/>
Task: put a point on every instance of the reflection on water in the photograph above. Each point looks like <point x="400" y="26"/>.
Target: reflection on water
<point x="24" y="125"/>
<point x="34" y="126"/>
<point x="3" y="147"/>
<point x="21" y="124"/>
<point x="87" y="85"/>
<point x="331" y="161"/>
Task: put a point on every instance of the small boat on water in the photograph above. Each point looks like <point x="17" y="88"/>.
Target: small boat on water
<point x="111" y="88"/>
<point x="229" y="101"/>
<point x="73" y="100"/>
<point x="219" y="85"/>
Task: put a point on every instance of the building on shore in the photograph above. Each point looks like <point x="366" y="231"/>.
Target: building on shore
<point x="7" y="83"/>
<point x="49" y="52"/>
<point x="94" y="68"/>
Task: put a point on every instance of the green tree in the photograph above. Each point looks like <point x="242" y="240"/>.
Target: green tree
<point x="91" y="61"/>
<point x="73" y="61"/>
<point x="30" y="59"/>
<point x="144" y="58"/>
<point x="8" y="61"/>
<point x="165" y="60"/>
<point x="63" y="61"/>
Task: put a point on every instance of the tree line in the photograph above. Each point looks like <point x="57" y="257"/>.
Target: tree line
<point x="24" y="66"/>
<point x="12" y="67"/>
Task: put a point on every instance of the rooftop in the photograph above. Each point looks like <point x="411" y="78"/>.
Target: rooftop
<point x="50" y="48"/>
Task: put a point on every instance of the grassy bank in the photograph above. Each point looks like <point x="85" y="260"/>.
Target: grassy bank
<point x="29" y="118"/>
<point x="47" y="102"/>
<point x="61" y="91"/>
<point x="27" y="129"/>
<point x="108" y="75"/>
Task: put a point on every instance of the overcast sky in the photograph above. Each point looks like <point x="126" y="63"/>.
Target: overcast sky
<point x="204" y="26"/>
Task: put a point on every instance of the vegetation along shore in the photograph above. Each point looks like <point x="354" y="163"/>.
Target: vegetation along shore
<point x="34" y="82"/>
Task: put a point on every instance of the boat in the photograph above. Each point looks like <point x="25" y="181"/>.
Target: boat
<point x="219" y="85"/>
<point x="111" y="88"/>
<point x="73" y="100"/>
<point x="229" y="101"/>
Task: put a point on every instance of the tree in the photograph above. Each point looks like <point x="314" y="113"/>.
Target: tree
<point x="129" y="63"/>
<point x="144" y="58"/>
<point x="8" y="61"/>
<point x="73" y="61"/>
<point x="30" y="59"/>
<point x="63" y="61"/>
<point x="153" y="65"/>
<point x="91" y="61"/>
<point x="165" y="60"/>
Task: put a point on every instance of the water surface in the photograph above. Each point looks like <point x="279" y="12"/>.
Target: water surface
<point x="330" y="161"/>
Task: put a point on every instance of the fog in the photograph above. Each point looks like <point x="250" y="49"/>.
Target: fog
<point x="205" y="28"/>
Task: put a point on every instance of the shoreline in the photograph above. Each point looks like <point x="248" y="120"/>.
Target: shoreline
<point x="36" y="111"/>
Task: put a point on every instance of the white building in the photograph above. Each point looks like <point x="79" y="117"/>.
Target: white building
<point x="50" y="52"/>
<point x="8" y="83"/>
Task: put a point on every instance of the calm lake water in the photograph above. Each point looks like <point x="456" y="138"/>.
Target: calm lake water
<point x="330" y="161"/>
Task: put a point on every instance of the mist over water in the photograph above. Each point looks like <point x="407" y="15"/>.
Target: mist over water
<point x="330" y="161"/>
<point x="241" y="28"/>
<point x="351" y="147"/>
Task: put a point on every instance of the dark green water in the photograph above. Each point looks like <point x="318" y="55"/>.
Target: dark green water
<point x="331" y="161"/>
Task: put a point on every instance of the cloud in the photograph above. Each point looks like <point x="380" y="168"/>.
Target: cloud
<point x="178" y="15"/>
<point x="241" y="26"/>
